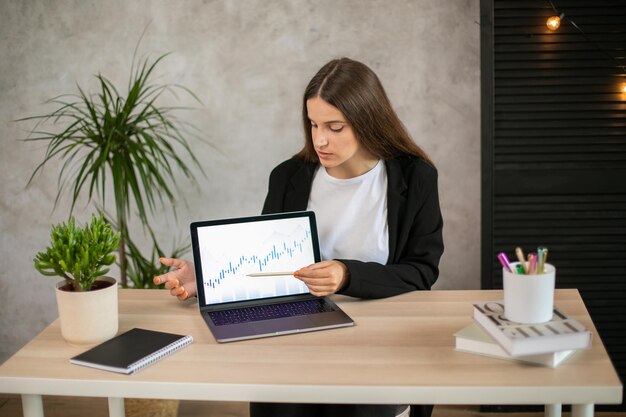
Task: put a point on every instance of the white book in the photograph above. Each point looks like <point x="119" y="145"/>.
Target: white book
<point x="518" y="339"/>
<point x="473" y="339"/>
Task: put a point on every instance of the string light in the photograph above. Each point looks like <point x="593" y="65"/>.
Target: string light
<point x="554" y="22"/>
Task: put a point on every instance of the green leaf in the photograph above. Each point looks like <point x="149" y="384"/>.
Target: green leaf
<point x="79" y="252"/>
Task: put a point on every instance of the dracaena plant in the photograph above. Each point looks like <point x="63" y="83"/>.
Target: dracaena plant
<point x="79" y="254"/>
<point x="122" y="141"/>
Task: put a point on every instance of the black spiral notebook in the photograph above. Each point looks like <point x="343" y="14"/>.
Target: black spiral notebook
<point x="131" y="351"/>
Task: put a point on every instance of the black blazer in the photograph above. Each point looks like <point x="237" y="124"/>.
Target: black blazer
<point x="414" y="221"/>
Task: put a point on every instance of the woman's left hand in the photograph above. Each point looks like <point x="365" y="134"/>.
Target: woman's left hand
<point x="323" y="278"/>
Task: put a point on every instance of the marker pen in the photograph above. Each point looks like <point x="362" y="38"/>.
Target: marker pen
<point x="532" y="263"/>
<point x="520" y="257"/>
<point x="542" y="255"/>
<point x="505" y="261"/>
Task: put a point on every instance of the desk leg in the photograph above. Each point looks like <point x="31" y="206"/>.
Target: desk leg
<point x="582" y="410"/>
<point x="32" y="405"/>
<point x="552" y="410"/>
<point x="116" y="407"/>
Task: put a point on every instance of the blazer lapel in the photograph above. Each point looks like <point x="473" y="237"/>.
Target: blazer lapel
<point x="396" y="204"/>
<point x="297" y="198"/>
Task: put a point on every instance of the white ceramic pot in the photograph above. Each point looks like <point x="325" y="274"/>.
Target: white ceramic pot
<point x="88" y="317"/>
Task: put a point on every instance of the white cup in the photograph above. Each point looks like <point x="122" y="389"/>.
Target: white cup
<point x="528" y="298"/>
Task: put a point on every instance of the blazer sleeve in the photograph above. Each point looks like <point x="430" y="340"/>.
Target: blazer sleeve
<point x="416" y="265"/>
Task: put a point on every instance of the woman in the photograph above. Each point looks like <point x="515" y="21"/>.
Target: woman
<point x="374" y="194"/>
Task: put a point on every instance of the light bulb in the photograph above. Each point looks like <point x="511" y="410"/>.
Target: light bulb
<point x="554" y="22"/>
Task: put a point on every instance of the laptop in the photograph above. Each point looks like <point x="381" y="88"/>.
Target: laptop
<point x="244" y="275"/>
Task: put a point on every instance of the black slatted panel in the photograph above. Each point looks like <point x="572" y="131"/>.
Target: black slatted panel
<point x="554" y="149"/>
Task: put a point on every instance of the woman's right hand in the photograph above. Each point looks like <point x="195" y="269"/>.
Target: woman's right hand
<point x="181" y="281"/>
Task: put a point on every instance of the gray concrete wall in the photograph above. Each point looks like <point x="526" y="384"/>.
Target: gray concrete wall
<point x="249" y="62"/>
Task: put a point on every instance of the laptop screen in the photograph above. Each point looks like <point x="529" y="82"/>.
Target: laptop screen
<point x="253" y="258"/>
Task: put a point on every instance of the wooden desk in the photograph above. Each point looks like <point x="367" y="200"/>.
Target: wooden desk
<point x="400" y="351"/>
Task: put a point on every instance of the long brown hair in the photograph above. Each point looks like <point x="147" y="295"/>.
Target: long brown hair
<point x="356" y="91"/>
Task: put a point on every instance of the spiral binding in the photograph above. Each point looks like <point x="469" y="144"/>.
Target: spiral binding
<point x="160" y="354"/>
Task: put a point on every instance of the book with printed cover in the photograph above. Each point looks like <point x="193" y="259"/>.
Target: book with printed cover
<point x="517" y="339"/>
<point x="473" y="339"/>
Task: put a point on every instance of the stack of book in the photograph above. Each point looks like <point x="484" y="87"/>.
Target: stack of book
<point x="546" y="344"/>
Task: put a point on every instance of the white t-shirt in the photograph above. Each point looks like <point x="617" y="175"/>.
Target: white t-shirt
<point x="351" y="215"/>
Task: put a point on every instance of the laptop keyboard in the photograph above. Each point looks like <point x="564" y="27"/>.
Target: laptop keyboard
<point x="270" y="311"/>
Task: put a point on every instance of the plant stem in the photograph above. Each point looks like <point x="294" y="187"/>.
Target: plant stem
<point x="123" y="230"/>
<point x="123" y="261"/>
